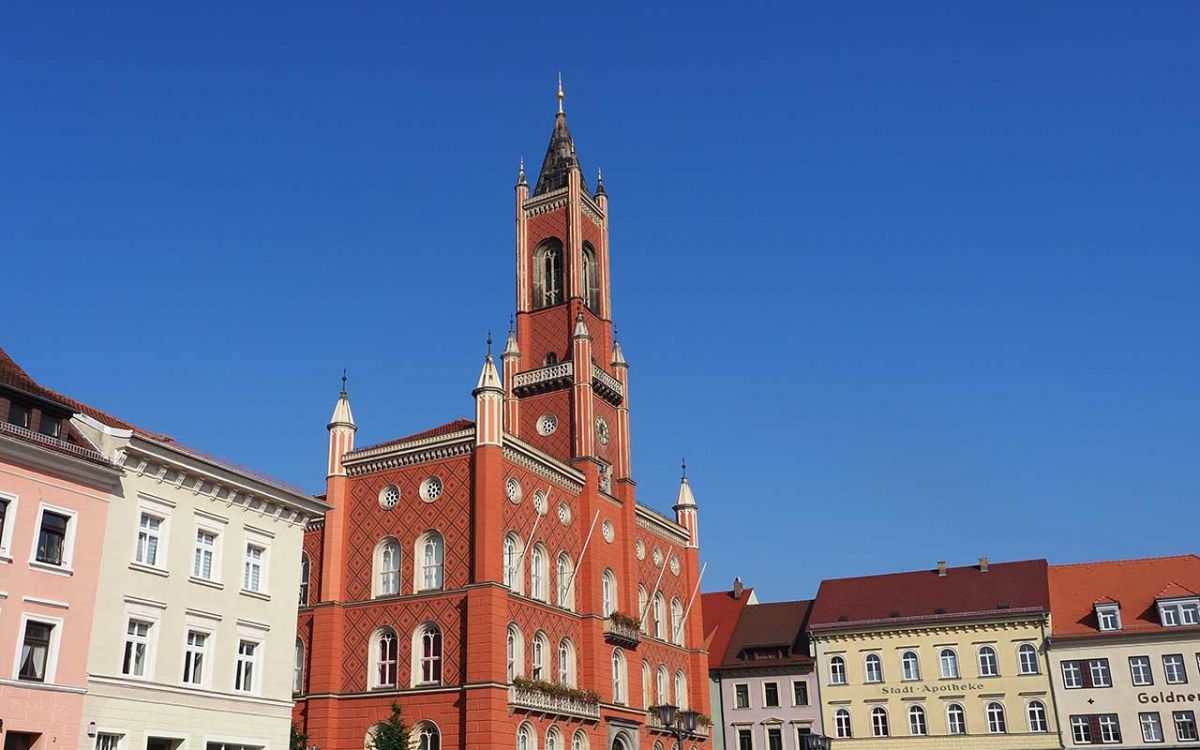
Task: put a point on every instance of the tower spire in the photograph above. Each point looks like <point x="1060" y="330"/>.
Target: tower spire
<point x="561" y="95"/>
<point x="560" y="155"/>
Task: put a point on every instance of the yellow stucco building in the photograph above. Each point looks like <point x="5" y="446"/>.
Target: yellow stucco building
<point x="944" y="658"/>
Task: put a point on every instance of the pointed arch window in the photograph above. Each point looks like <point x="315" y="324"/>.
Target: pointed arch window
<point x="513" y="565"/>
<point x="681" y="691"/>
<point x="305" y="572"/>
<point x="618" y="676"/>
<point x="564" y="574"/>
<point x="383" y="658"/>
<point x="298" y="669"/>
<point x="431" y="554"/>
<point x="548" y="274"/>
<point x="541" y="654"/>
<point x="591" y="278"/>
<point x="608" y="592"/>
<point x="660" y="686"/>
<point x="427" y="652"/>
<point x="659" y="606"/>
<point x="387" y="567"/>
<point x="538" y="575"/>
<point x="428" y="737"/>
<point x="566" y="662"/>
<point x="647" y="698"/>
<point x="643" y="604"/>
<point x="516" y="652"/>
<point x="676" y="622"/>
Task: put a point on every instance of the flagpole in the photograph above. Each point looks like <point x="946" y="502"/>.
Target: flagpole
<point x="691" y="601"/>
<point x="642" y="615"/>
<point x="582" y="552"/>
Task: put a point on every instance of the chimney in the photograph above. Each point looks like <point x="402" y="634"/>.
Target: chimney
<point x="941" y="568"/>
<point x="983" y="565"/>
<point x="738" y="588"/>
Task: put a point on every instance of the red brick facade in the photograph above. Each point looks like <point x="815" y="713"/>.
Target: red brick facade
<point x="583" y="466"/>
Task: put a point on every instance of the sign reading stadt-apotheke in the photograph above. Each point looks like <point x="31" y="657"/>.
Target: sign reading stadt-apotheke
<point x="952" y="687"/>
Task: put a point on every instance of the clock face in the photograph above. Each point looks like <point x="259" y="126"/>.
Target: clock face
<point x="602" y="433"/>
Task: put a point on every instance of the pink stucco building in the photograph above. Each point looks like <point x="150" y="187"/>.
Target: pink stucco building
<point x="54" y="496"/>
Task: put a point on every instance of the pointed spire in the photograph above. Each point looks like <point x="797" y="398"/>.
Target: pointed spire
<point x="489" y="378"/>
<point x="561" y="95"/>
<point x="685" y="498"/>
<point x="510" y="346"/>
<point x="521" y="174"/>
<point x="342" y="416"/>
<point x="600" y="182"/>
<point x="560" y="155"/>
<point x="618" y="356"/>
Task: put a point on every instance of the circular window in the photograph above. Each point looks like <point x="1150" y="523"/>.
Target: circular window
<point x="539" y="502"/>
<point x="389" y="496"/>
<point x="547" y="424"/>
<point x="564" y="514"/>
<point x="431" y="489"/>
<point x="609" y="532"/>
<point x="512" y="488"/>
<point x="639" y="548"/>
<point x="658" y="557"/>
<point x="602" y="433"/>
<point x="674" y="565"/>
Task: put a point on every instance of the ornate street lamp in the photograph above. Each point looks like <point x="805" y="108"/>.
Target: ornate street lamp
<point x="680" y="723"/>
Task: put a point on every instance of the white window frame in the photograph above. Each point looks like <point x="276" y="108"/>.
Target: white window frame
<point x="736" y="688"/>
<point x="1100" y="666"/>
<point x="135" y="640"/>
<point x="1156" y="723"/>
<point x="378" y="571"/>
<point x="56" y="627"/>
<point x="840" y="731"/>
<point x="1072" y="667"/>
<point x="417" y="648"/>
<point x="620" y="677"/>
<point x="1190" y="716"/>
<point x="887" y="722"/>
<point x="539" y="575"/>
<point x="256" y="662"/>
<point x="10" y="521"/>
<point x="566" y="662"/>
<point x="837" y="676"/>
<point x="422" y="568"/>
<point x="263" y="563"/>
<point x="995" y="660"/>
<point x="206" y="655"/>
<point x="868" y="659"/>
<point x="608" y="592"/>
<point x="539" y="657"/>
<point x="68" y="556"/>
<point x="1044" y="718"/>
<point x="777" y="703"/>
<point x="564" y="584"/>
<point x="515" y="651"/>
<point x="101" y="742"/>
<point x="914" y="711"/>
<point x="513" y="562"/>
<point x="218" y="533"/>
<point x="676" y="621"/>
<point x="1025" y="648"/>
<point x="1109" y="617"/>
<point x="1081" y="722"/>
<point x="1109" y="728"/>
<point x="375" y="661"/>
<point x="987" y="714"/>
<point x="658" y="608"/>
<point x="1135" y="664"/>
<point x="905" y="674"/>
<point x="950" y="722"/>
<point x="942" y="672"/>
<point x="1167" y="670"/>
<point x="162" y="535"/>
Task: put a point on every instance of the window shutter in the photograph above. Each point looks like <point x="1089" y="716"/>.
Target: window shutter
<point x="1094" y="723"/>
<point x="1085" y="671"/>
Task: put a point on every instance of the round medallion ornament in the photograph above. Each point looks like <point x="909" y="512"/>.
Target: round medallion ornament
<point x="539" y="502"/>
<point x="608" y="531"/>
<point x="674" y="565"/>
<point x="658" y="557"/>
<point x="602" y="433"/>
<point x="512" y="488"/>
<point x="547" y="424"/>
<point x="389" y="496"/>
<point x="431" y="489"/>
<point x="564" y="514"/>
<point x="639" y="549"/>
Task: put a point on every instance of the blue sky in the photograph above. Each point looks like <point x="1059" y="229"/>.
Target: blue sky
<point x="905" y="282"/>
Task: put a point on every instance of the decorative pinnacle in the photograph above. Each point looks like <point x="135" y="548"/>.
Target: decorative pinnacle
<point x="489" y="343"/>
<point x="561" y="95"/>
<point x="343" y="381"/>
<point x="510" y="323"/>
<point x="685" y="467"/>
<point x="521" y="172"/>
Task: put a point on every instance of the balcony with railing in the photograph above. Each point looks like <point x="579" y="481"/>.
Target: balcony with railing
<point x="53" y="443"/>
<point x="622" y="630"/>
<point x="544" y="378"/>
<point x="545" y="703"/>
<point x="607" y="386"/>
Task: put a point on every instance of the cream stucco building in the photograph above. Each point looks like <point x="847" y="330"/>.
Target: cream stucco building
<point x="945" y="658"/>
<point x="194" y="637"/>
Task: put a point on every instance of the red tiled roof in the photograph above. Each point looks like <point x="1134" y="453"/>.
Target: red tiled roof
<point x="924" y="594"/>
<point x="775" y="624"/>
<point x="1135" y="584"/>
<point x="442" y="429"/>
<point x="720" y="612"/>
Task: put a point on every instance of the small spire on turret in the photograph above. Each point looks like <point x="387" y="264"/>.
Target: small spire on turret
<point x="600" y="182"/>
<point x="581" y="327"/>
<point x="521" y="173"/>
<point x="510" y="346"/>
<point x="342" y="416"/>
<point x="561" y="95"/>
<point x="685" y="498"/>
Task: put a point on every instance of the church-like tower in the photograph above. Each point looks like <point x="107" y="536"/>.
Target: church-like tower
<point x="497" y="577"/>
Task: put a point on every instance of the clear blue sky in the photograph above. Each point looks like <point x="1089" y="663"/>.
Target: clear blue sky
<point x="905" y="281"/>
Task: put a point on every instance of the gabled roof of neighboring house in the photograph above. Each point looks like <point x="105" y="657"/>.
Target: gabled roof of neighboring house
<point x="720" y="611"/>
<point x="962" y="593"/>
<point x="1134" y="584"/>
<point x="765" y="627"/>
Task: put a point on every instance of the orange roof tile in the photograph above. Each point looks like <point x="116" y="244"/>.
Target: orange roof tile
<point x="1135" y="584"/>
<point x="720" y="612"/>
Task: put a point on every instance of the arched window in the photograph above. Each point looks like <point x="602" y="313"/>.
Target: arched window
<point x="676" y="622"/>
<point x="428" y="736"/>
<point x="917" y="725"/>
<point x="911" y="665"/>
<point x="305" y="572"/>
<point x="554" y="739"/>
<point x="956" y="719"/>
<point x="579" y="740"/>
<point x="874" y="668"/>
<point x="369" y="738"/>
<point x="427" y="655"/>
<point x="526" y="739"/>
<point x="551" y="358"/>
<point x="566" y="662"/>
<point x="1035" y="712"/>
<point x="660" y="626"/>
<point x="841" y="724"/>
<point x="643" y="605"/>
<point x="618" y="676"/>
<point x="516" y="652"/>
<point x="548" y="274"/>
<point x="647" y="698"/>
<point x="538" y="575"/>
<point x="879" y="722"/>
<point x="384" y="648"/>
<point x="660" y="686"/>
<point x="591" y="278"/>
<point x="1027" y="658"/>
<point x="658" y="745"/>
<point x="541" y="654"/>
<point x="608" y="592"/>
<point x="564" y="574"/>
<point x="681" y="691"/>
<point x="987" y="662"/>
<point x="298" y="669"/>
<point x="837" y="671"/>
<point x="430" y="555"/>
<point x="513" y="564"/>
<point x="995" y="718"/>
<point x="948" y="664"/>
<point x="387" y="567"/>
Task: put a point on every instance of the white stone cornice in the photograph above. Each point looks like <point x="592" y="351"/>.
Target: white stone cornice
<point x="663" y="527"/>
<point x="547" y="467"/>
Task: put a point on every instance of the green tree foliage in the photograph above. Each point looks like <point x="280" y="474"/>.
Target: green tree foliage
<point x="390" y="734"/>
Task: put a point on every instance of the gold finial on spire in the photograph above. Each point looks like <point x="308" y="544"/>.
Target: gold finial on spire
<point x="561" y="95"/>
<point x="521" y="171"/>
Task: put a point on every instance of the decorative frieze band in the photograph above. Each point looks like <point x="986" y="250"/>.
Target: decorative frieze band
<point x="408" y="456"/>
<point x="656" y="524"/>
<point x="545" y="467"/>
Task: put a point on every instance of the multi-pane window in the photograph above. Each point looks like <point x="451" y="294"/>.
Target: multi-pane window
<point x="874" y="668"/>
<point x="431" y="654"/>
<point x="298" y="668"/>
<point x="4" y="502"/>
<point x="385" y="659"/>
<point x="389" y="568"/>
<point x="660" y="684"/>
<point x="917" y="726"/>
<point x="608" y="592"/>
<point x="564" y="572"/>
<point x="1185" y="726"/>
<point x="539" y="657"/>
<point x="147" y="540"/>
<point x="537" y="573"/>
<point x="305" y="576"/>
<point x="799" y="693"/>
<point x="512" y="557"/>
<point x="1098" y="668"/>
<point x="676" y="622"/>
<point x="52" y="538"/>
<point x="879" y="722"/>
<point x="770" y="694"/>
<point x="1081" y="730"/>
<point x="206" y="549"/>
<point x="618" y="676"/>
<point x="837" y="671"/>
<point x="137" y="648"/>
<point x="681" y="695"/>
<point x="1179" y="613"/>
<point x="948" y="663"/>
<point x="956" y="719"/>
<point x="995" y="718"/>
<point x="910" y="665"/>
<point x="745" y="740"/>
<point x="566" y="663"/>
<point x="741" y="696"/>
<point x="987" y="662"/>
<point x="1027" y="659"/>
<point x="1152" y="730"/>
<point x="252" y="568"/>
<point x="193" y="657"/>
<point x="247" y="657"/>
<point x="1035" y="713"/>
<point x="106" y="741"/>
<point x="35" y="651"/>
<point x="1174" y="669"/>
<point x="432" y="555"/>
<point x="1109" y="617"/>
<point x="1072" y="674"/>
<point x="1139" y="669"/>
<point x="659" y="616"/>
<point x="50" y="426"/>
<point x="1110" y="729"/>
<point x="841" y="724"/>
<point x="774" y="738"/>
<point x="1088" y="673"/>
<point x="515" y="645"/>
<point x="19" y="414"/>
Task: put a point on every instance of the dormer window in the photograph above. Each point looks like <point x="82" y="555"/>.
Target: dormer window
<point x="18" y="414"/>
<point x="49" y="425"/>
<point x="1109" y="616"/>
<point x="1178" y="612"/>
